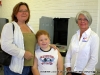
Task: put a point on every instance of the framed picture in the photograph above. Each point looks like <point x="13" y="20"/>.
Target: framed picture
<point x="0" y="3"/>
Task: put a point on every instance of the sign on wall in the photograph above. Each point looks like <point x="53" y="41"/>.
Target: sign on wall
<point x="0" y="3"/>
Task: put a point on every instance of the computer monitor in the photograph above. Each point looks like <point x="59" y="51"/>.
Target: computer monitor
<point x="60" y="31"/>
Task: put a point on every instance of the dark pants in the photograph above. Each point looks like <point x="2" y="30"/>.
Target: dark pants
<point x="26" y="71"/>
<point x="30" y="73"/>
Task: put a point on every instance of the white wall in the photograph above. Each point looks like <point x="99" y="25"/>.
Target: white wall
<point x="98" y="31"/>
<point x="98" y="21"/>
<point x="0" y="10"/>
<point x="55" y="8"/>
<point x="52" y="8"/>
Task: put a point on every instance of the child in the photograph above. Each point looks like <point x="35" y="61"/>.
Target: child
<point x="47" y="60"/>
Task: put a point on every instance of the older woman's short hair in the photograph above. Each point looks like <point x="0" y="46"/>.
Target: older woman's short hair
<point x="86" y="14"/>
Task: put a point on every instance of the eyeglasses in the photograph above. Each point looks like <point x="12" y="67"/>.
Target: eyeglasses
<point x="82" y="19"/>
<point x="23" y="11"/>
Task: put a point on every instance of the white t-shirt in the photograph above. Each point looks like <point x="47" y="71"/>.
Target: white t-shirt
<point x="47" y="61"/>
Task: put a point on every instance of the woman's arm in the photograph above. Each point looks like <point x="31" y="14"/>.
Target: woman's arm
<point x="60" y="64"/>
<point x="35" y="70"/>
<point x="68" y="62"/>
<point x="93" y="54"/>
<point x="8" y="43"/>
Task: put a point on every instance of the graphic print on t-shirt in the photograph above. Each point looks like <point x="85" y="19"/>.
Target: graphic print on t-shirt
<point x="47" y="59"/>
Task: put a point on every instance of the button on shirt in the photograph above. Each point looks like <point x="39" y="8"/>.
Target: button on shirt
<point x="82" y="54"/>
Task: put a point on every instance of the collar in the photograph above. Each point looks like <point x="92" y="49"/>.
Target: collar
<point x="86" y="33"/>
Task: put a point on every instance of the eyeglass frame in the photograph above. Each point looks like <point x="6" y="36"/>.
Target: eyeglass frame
<point x="80" y="19"/>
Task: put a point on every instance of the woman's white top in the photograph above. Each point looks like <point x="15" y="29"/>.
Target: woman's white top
<point x="82" y="54"/>
<point x="13" y="44"/>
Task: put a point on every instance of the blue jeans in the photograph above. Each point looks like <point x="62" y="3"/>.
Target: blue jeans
<point x="26" y="71"/>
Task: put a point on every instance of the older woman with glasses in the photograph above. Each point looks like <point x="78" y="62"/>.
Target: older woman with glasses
<point x="82" y="55"/>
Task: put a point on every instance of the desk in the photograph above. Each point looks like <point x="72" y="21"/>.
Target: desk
<point x="62" y="49"/>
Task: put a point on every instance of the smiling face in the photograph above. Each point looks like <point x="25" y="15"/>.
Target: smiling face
<point x="22" y="14"/>
<point x="43" y="41"/>
<point x="83" y="22"/>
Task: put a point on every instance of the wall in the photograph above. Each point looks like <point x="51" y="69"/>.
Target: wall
<point x="53" y="8"/>
<point x="98" y="21"/>
<point x="0" y="10"/>
<point x="98" y="31"/>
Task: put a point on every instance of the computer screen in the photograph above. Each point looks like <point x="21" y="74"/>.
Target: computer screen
<point x="60" y="31"/>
